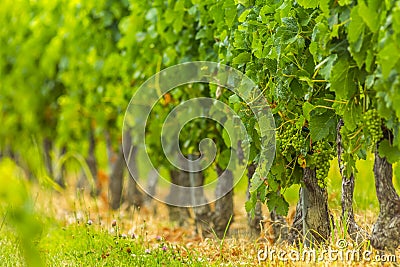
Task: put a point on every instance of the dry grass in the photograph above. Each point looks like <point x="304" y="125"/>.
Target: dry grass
<point x="151" y="222"/>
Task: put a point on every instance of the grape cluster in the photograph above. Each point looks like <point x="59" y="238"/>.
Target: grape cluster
<point x="373" y="123"/>
<point x="322" y="154"/>
<point x="289" y="138"/>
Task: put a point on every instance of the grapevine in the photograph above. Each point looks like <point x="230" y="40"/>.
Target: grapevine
<point x="305" y="55"/>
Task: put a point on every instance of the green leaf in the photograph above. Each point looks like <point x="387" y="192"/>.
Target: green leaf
<point x="265" y="10"/>
<point x="272" y="183"/>
<point x="327" y="63"/>
<point x="355" y="30"/>
<point x="384" y="110"/>
<point x="307" y="108"/>
<point x="396" y="177"/>
<point x="388" y="57"/>
<point x="242" y="58"/>
<point x="351" y="116"/>
<point x="391" y="153"/>
<point x="226" y="138"/>
<point x="370" y="60"/>
<point x="240" y="41"/>
<point x="308" y="3"/>
<point x="250" y="205"/>
<point x="287" y="33"/>
<point x="255" y="182"/>
<point x="178" y="23"/>
<point x="342" y="78"/>
<point x="224" y="158"/>
<point x="217" y="13"/>
<point x="243" y="16"/>
<point x="324" y="6"/>
<point x="345" y="2"/>
<point x="257" y="46"/>
<point x="233" y="99"/>
<point x="323" y="125"/>
<point x="276" y="201"/>
<point x="230" y="12"/>
<point x="369" y="15"/>
<point x="396" y="19"/>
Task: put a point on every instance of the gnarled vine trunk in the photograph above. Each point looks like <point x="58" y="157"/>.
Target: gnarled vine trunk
<point x="134" y="196"/>
<point x="60" y="176"/>
<point x="91" y="161"/>
<point x="313" y="226"/>
<point x="223" y="214"/>
<point x="152" y="181"/>
<point x="47" y="148"/>
<point x="355" y="232"/>
<point x="178" y="214"/>
<point x="386" y="230"/>
<point x="116" y="181"/>
<point x="90" y="182"/>
<point x="202" y="214"/>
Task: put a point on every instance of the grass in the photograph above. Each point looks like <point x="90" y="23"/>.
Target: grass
<point x="77" y="230"/>
<point x="88" y="245"/>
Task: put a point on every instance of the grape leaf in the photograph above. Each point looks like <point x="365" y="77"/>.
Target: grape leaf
<point x="369" y="15"/>
<point x="344" y="2"/>
<point x="275" y="201"/>
<point x="287" y="33"/>
<point x="351" y="116"/>
<point x="328" y="62"/>
<point x="240" y="41"/>
<point x="396" y="177"/>
<point x="307" y="108"/>
<point x="388" y="57"/>
<point x="255" y="182"/>
<point x="391" y="153"/>
<point x="233" y="99"/>
<point x="323" y="125"/>
<point x="226" y="137"/>
<point x="355" y="30"/>
<point x="308" y="3"/>
<point x="224" y="157"/>
<point x="230" y="12"/>
<point x="243" y="16"/>
<point x="342" y="78"/>
<point x="242" y="58"/>
<point x="324" y="6"/>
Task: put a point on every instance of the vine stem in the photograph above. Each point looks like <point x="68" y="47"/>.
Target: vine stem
<point x="336" y="101"/>
<point x="321" y="106"/>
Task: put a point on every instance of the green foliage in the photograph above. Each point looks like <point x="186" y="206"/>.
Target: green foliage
<point x="89" y="245"/>
<point x="69" y="68"/>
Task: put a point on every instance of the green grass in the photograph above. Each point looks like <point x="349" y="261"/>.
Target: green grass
<point x="89" y="245"/>
<point x="10" y="253"/>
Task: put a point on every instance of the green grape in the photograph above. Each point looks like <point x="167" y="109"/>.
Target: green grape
<point x="291" y="140"/>
<point x="322" y="154"/>
<point x="373" y="122"/>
